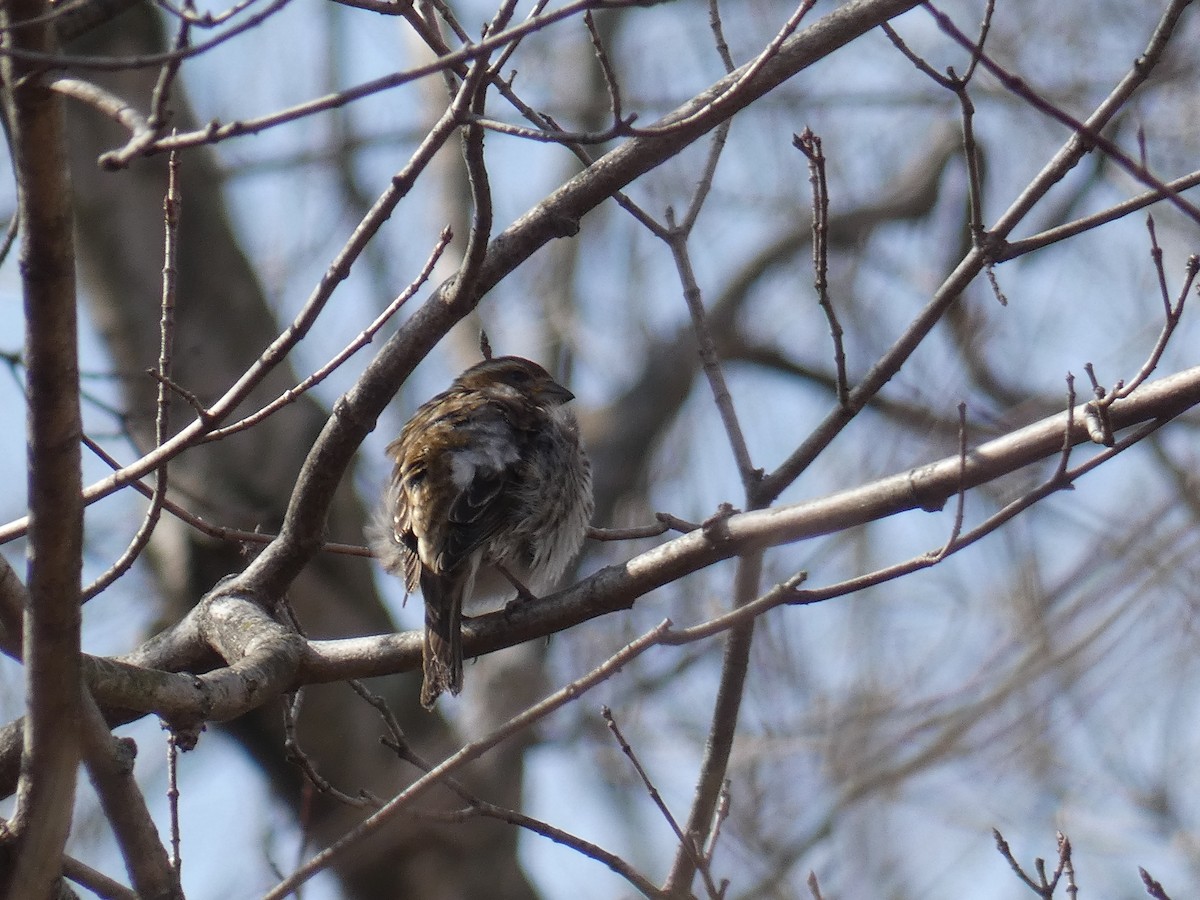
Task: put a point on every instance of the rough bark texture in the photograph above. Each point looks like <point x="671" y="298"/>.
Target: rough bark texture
<point x="50" y="645"/>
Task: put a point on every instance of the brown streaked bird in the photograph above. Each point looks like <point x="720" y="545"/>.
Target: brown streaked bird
<point x="488" y="474"/>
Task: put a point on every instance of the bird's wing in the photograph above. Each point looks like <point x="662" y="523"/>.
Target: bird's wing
<point x="454" y="463"/>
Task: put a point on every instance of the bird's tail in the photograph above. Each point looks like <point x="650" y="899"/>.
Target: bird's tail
<point x="441" y="653"/>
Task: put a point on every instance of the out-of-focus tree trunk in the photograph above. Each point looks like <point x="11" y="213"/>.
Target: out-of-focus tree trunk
<point x="223" y="323"/>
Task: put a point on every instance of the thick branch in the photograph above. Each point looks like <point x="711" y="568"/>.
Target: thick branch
<point x="269" y="660"/>
<point x="50" y="644"/>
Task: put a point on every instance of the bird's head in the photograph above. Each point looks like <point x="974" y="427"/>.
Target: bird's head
<point x="517" y="375"/>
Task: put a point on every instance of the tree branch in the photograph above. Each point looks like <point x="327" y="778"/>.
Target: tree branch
<point x="50" y="645"/>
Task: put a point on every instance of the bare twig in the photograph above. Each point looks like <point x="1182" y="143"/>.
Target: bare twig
<point x="500" y="20"/>
<point x="188" y="15"/>
<point x="586" y="848"/>
<point x="1064" y="458"/>
<point x="1153" y="888"/>
<point x="471" y="97"/>
<point x="296" y="755"/>
<point x="606" y="70"/>
<point x="1050" y="236"/>
<point x="96" y="882"/>
<point x="110" y="767"/>
<point x="977" y="261"/>
<point x="1006" y="852"/>
<point x="171" y="212"/>
<point x="959" y="86"/>
<point x="364" y="337"/>
<point x="158" y="119"/>
<point x="685" y="841"/>
<point x="810" y="145"/>
<point x="173" y="802"/>
<point x="961" y="499"/>
<point x="143" y="61"/>
<point x="677" y="241"/>
<point x="446" y="62"/>
<point x="1173" y="314"/>
<point x="732" y="93"/>
<point x="221" y="532"/>
<point x="10" y="237"/>
<point x="105" y="102"/>
<point x="1065" y="867"/>
<point x="550" y="135"/>
<point x="628" y="534"/>
<point x="1083" y="131"/>
<point x="471" y="751"/>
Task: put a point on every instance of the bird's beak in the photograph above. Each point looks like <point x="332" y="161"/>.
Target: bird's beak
<point x="554" y="394"/>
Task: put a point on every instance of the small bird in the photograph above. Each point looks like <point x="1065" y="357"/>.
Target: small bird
<point x="488" y="475"/>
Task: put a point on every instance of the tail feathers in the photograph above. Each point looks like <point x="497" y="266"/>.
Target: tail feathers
<point x="442" y="654"/>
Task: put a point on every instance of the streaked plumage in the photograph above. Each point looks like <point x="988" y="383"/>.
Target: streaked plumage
<point x="488" y="473"/>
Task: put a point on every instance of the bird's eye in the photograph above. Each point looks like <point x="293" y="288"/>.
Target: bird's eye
<point x="518" y="376"/>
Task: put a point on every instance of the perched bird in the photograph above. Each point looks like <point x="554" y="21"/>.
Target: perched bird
<point x="489" y="478"/>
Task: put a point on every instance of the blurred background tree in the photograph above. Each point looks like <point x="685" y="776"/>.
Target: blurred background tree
<point x="974" y="249"/>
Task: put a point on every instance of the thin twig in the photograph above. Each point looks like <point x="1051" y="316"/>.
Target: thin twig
<point x="104" y="101"/>
<point x="885" y="368"/>
<point x="295" y="754"/>
<point x="95" y="881"/>
<point x="584" y="847"/>
<point x="172" y="204"/>
<point x="446" y="61"/>
<point x="499" y="21"/>
<point x="1050" y="236"/>
<point x="1006" y="852"/>
<point x="810" y="145"/>
<point x="732" y="93"/>
<point x="685" y="841"/>
<point x="1153" y="888"/>
<point x="677" y="241"/>
<point x="472" y="97"/>
<point x="220" y="532"/>
<point x="364" y="337"/>
<point x="1083" y="132"/>
<point x="627" y="534"/>
<point x="477" y="807"/>
<point x="722" y="814"/>
<point x="606" y="69"/>
<point x="1156" y="256"/>
<point x="173" y="802"/>
<point x="468" y="753"/>
<point x="1066" y="867"/>
<point x="10" y="237"/>
<point x="548" y="135"/>
<point x="1174" y="313"/>
<point x="960" y="502"/>
<point x="959" y="86"/>
<point x="717" y="145"/>
<point x="188" y="15"/>
<point x="1064" y="458"/>
<point x="147" y="60"/>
